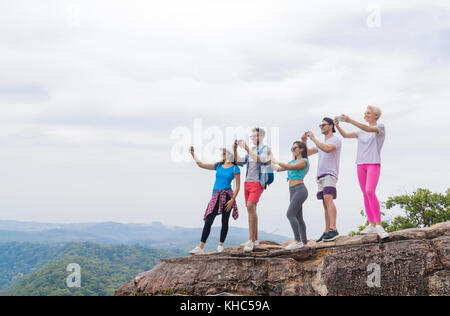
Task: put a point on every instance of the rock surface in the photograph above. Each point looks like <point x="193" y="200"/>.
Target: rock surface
<point x="409" y="262"/>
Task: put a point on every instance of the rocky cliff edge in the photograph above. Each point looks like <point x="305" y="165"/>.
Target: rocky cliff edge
<point x="409" y="262"/>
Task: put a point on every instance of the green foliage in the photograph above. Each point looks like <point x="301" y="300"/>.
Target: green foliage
<point x="103" y="269"/>
<point x="20" y="259"/>
<point x="422" y="208"/>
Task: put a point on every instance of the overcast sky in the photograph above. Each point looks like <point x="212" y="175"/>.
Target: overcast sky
<point x="92" y="94"/>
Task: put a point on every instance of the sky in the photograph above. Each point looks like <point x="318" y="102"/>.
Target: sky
<point x="99" y="101"/>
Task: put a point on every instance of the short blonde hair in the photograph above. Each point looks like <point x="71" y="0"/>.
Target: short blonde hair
<point x="375" y="110"/>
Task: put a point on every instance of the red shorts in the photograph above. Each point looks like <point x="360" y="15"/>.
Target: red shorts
<point x="252" y="192"/>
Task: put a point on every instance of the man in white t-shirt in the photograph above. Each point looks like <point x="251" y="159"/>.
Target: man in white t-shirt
<point x="327" y="173"/>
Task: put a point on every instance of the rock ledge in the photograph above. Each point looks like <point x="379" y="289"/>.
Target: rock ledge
<point x="409" y="262"/>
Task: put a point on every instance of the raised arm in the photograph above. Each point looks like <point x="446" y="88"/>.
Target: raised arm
<point x="328" y="148"/>
<point x="235" y="146"/>
<point x="342" y="132"/>
<point x="239" y="161"/>
<point x="206" y="166"/>
<point x="253" y="153"/>
<point x="312" y="150"/>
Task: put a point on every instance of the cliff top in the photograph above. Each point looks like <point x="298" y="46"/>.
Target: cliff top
<point x="409" y="262"/>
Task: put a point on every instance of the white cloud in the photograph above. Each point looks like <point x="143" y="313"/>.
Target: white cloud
<point x="92" y="136"/>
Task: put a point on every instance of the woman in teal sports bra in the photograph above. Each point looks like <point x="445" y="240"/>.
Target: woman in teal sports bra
<point x="297" y="170"/>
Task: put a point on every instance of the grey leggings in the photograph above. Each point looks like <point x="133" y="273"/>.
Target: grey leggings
<point x="298" y="194"/>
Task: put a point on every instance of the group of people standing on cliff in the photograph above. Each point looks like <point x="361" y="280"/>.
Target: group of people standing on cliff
<point x="261" y="164"/>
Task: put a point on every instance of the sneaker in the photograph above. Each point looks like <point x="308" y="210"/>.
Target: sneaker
<point x="321" y="238"/>
<point x="219" y="248"/>
<point x="381" y="232"/>
<point x="256" y="243"/>
<point x="369" y="230"/>
<point x="249" y="247"/>
<point x="294" y="245"/>
<point x="331" y="235"/>
<point x="197" y="250"/>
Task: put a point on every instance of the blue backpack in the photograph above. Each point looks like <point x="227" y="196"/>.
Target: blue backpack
<point x="270" y="176"/>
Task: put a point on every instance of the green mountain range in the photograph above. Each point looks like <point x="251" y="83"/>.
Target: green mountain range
<point x="33" y="269"/>
<point x="34" y="256"/>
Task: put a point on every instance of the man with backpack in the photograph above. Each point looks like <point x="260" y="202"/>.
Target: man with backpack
<point x="259" y="175"/>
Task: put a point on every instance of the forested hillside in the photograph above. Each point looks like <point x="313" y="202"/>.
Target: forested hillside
<point x="39" y="269"/>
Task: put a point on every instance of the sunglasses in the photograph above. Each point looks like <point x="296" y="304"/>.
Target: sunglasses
<point x="323" y="125"/>
<point x="294" y="148"/>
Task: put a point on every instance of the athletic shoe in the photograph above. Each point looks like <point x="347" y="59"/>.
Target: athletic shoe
<point x="381" y="232"/>
<point x="249" y="247"/>
<point x="294" y="245"/>
<point x="219" y="248"/>
<point x="256" y="243"/>
<point x="369" y="230"/>
<point x="321" y="238"/>
<point x="197" y="250"/>
<point x="331" y="235"/>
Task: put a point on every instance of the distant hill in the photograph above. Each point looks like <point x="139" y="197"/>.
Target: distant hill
<point x="34" y="256"/>
<point x="32" y="269"/>
<point x="156" y="235"/>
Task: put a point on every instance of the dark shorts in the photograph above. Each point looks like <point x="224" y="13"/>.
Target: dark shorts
<point x="327" y="186"/>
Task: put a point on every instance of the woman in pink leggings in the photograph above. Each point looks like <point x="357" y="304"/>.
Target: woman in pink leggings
<point x="370" y="141"/>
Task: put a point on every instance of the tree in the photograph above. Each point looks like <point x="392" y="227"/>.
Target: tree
<point x="422" y="208"/>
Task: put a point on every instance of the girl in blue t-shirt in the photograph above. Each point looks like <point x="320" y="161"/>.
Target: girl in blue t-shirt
<point x="223" y="199"/>
<point x="297" y="170"/>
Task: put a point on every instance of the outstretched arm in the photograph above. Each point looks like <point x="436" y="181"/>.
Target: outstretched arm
<point x="280" y="166"/>
<point x="275" y="165"/>
<point x="364" y="127"/>
<point x="298" y="166"/>
<point x="207" y="166"/>
<point x="342" y="132"/>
